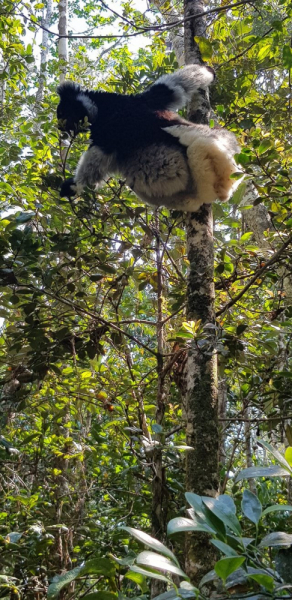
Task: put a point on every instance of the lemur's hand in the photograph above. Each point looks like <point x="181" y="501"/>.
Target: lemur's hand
<point x="68" y="188"/>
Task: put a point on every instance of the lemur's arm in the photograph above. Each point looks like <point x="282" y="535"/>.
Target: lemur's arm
<point x="92" y="169"/>
<point x="175" y="90"/>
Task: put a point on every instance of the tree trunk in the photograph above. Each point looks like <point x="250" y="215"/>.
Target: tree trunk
<point x="63" y="45"/>
<point x="46" y="21"/>
<point x="159" y="488"/>
<point x="202" y="464"/>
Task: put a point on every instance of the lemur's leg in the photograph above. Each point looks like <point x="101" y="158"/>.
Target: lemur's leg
<point x="211" y="167"/>
<point x="92" y="169"/>
<point x="174" y="90"/>
<point x="157" y="173"/>
<point x="210" y="158"/>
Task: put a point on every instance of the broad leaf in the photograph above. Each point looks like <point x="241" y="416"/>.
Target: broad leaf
<point x="264" y="580"/>
<point x="277" y="455"/>
<point x="178" y="594"/>
<point x="251" y="506"/>
<point x="60" y="581"/>
<point x="226" y="566"/>
<point x="102" y="595"/>
<point x="99" y="566"/>
<point x="224" y="548"/>
<point x="157" y="561"/>
<point x="277" y="508"/>
<point x="138" y="578"/>
<point x="226" y="504"/>
<point x="150" y="573"/>
<point x="277" y="538"/>
<point x="210" y="576"/>
<point x="215" y="521"/>
<point x="225" y="511"/>
<point x="151" y="542"/>
<point x="251" y="472"/>
<point x="203" y="512"/>
<point x="195" y="501"/>
<point x="182" y="524"/>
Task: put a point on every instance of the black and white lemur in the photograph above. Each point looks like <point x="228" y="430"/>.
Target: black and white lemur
<point x="164" y="159"/>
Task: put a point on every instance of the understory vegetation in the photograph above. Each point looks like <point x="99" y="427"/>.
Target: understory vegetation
<point x="95" y="331"/>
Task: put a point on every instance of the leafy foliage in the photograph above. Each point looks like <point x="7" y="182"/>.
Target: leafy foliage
<point x="80" y="285"/>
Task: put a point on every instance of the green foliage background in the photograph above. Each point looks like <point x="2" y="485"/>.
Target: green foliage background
<point x="79" y="292"/>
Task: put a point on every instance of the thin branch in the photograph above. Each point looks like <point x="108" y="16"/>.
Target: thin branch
<point x="270" y="262"/>
<point x="96" y="317"/>
<point x="163" y="26"/>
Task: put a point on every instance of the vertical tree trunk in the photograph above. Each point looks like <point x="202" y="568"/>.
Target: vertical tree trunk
<point x="248" y="443"/>
<point x="159" y="516"/>
<point x="222" y="409"/>
<point x="44" y="54"/>
<point x="201" y="370"/>
<point x="62" y="488"/>
<point x="63" y="44"/>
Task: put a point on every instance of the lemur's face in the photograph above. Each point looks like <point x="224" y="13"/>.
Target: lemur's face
<point x="71" y="115"/>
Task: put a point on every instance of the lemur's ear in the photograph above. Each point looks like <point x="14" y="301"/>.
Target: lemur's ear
<point x="68" y="90"/>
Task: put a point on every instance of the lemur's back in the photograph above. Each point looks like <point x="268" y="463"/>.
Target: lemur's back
<point x="125" y="124"/>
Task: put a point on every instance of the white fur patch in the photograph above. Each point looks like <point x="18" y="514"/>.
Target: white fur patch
<point x="186" y="82"/>
<point x="88" y="104"/>
<point x="211" y="160"/>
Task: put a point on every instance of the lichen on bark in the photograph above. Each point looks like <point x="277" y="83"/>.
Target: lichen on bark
<point x="202" y="433"/>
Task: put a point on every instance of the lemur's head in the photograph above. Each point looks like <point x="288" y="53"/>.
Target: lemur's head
<point x="74" y="107"/>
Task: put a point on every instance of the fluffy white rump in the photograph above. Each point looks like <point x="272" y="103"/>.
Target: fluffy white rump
<point x="210" y="158"/>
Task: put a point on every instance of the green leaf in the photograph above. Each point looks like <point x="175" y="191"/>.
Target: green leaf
<point x="277" y="538"/>
<point x="102" y="595"/>
<point x="276" y="454"/>
<point x="182" y="524"/>
<point x="151" y="542"/>
<point x="251" y="472"/>
<point x="225" y="548"/>
<point x="138" y="578"/>
<point x="215" y="521"/>
<point x="224" y="508"/>
<point x="288" y="453"/>
<point x="264" y="51"/>
<point x="99" y="566"/>
<point x="159" y="562"/>
<point x="24" y="217"/>
<point x="179" y="593"/>
<point x="246" y="236"/>
<point x="206" y="48"/>
<point x="60" y="581"/>
<point x="210" y="576"/>
<point x="287" y="56"/>
<point x="226" y="566"/>
<point x="277" y="508"/>
<point x="264" y="146"/>
<point x="251" y="506"/>
<point x="264" y="580"/>
<point x="150" y="573"/>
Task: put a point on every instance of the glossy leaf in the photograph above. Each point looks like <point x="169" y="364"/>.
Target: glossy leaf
<point x="251" y="506"/>
<point x="151" y="542"/>
<point x="277" y="538"/>
<point x="159" y="562"/>
<point x="253" y="472"/>
<point x="226" y="566"/>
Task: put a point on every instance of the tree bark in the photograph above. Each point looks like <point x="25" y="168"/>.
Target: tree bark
<point x="159" y="486"/>
<point x="202" y="465"/>
<point x="63" y="44"/>
<point x="46" y="21"/>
